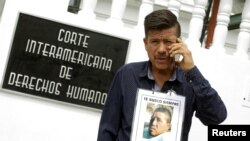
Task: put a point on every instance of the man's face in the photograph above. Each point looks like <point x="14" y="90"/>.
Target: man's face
<point x="157" y="44"/>
<point x="159" y="124"/>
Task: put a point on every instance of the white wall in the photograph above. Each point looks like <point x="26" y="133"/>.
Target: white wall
<point x="26" y="118"/>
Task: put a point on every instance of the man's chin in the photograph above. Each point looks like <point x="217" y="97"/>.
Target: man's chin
<point x="152" y="133"/>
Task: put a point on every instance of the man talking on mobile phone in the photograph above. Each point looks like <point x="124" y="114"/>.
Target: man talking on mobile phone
<point x="161" y="73"/>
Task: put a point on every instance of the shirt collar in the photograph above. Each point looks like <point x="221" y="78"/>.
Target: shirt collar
<point x="150" y="75"/>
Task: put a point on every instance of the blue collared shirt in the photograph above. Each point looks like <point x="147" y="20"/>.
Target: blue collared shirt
<point x="117" y="114"/>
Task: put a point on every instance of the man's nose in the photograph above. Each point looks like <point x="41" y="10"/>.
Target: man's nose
<point x="162" y="47"/>
<point x="154" y="122"/>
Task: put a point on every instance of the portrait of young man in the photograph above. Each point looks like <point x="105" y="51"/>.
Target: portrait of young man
<point x="159" y="127"/>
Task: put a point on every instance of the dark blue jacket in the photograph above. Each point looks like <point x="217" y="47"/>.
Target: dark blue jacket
<point x="117" y="114"/>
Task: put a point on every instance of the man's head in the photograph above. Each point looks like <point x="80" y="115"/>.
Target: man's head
<point x="160" y="121"/>
<point x="161" y="32"/>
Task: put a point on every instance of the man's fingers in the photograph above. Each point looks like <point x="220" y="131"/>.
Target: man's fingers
<point x="179" y="40"/>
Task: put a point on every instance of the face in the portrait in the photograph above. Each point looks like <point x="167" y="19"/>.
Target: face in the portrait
<point x="160" y="122"/>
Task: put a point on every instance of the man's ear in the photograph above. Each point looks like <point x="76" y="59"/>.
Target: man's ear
<point x="145" y="43"/>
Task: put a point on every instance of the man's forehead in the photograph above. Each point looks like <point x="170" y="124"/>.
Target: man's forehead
<point x="159" y="113"/>
<point x="165" y="37"/>
<point x="165" y="34"/>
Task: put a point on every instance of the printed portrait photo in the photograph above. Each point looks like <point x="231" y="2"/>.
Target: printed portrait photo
<point x="157" y="124"/>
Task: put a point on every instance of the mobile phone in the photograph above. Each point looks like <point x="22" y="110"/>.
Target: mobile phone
<point x="178" y="58"/>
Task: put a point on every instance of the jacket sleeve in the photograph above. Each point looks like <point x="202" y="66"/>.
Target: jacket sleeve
<point x="110" y="118"/>
<point x="210" y="108"/>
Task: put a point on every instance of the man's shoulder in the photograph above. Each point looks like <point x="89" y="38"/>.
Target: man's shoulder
<point x="136" y="68"/>
<point x="136" y="65"/>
